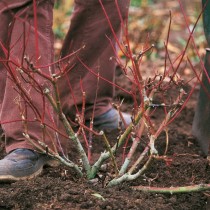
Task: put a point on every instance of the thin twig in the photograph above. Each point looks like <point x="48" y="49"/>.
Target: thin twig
<point x="111" y="154"/>
<point x="173" y="190"/>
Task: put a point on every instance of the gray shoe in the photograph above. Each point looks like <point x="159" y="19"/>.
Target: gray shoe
<point x="22" y="164"/>
<point x="110" y="120"/>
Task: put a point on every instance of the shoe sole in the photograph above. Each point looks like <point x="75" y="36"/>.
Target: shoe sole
<point x="10" y="178"/>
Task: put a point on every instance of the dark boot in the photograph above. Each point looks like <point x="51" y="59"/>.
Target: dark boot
<point x="201" y="122"/>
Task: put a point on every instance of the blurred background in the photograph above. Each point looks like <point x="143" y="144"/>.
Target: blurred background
<point x="149" y="24"/>
<point x="148" y="20"/>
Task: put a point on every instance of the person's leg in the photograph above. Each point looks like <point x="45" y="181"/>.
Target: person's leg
<point x="6" y="18"/>
<point x="90" y="29"/>
<point x="16" y="105"/>
<point x="18" y="40"/>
